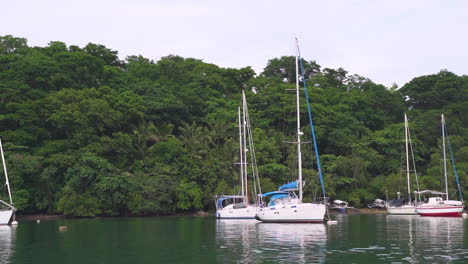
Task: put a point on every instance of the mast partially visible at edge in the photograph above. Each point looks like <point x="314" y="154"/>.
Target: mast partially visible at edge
<point x="6" y="173"/>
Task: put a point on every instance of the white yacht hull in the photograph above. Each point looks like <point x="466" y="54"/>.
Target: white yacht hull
<point x="5" y="217"/>
<point x="230" y="212"/>
<point x="292" y="213"/>
<point x="402" y="210"/>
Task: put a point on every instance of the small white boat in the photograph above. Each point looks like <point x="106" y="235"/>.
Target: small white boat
<point x="233" y="207"/>
<point x="239" y="206"/>
<point x="7" y="210"/>
<point x="436" y="206"/>
<point x="406" y="209"/>
<point x="378" y="204"/>
<point x="340" y="206"/>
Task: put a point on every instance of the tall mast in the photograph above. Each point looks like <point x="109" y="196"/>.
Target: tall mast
<point x="407" y="159"/>
<point x="445" y="160"/>
<point x="244" y="122"/>
<point x="241" y="154"/>
<point x="6" y="173"/>
<point x="299" y="133"/>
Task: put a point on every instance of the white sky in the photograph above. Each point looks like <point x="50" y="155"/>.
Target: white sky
<point x="387" y="41"/>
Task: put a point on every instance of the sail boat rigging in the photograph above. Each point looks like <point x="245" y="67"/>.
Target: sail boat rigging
<point x="409" y="207"/>
<point x="311" y="122"/>
<point x="7" y="210"/>
<point x="436" y="206"/>
<point x="285" y="205"/>
<point x="239" y="206"/>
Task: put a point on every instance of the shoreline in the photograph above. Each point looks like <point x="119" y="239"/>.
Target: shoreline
<point x="50" y="217"/>
<point x="355" y="211"/>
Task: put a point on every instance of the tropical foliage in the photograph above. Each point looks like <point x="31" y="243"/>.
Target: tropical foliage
<point x="88" y="134"/>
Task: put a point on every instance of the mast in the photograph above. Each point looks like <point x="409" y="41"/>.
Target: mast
<point x="244" y="105"/>
<point x="6" y="173"/>
<point x="240" y="154"/>
<point x="445" y="160"/>
<point x="311" y="122"/>
<point x="407" y="159"/>
<point x="452" y="158"/>
<point x="299" y="133"/>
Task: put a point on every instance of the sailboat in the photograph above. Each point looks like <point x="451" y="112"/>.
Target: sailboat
<point x="436" y="206"/>
<point x="285" y="206"/>
<point x="7" y="210"/>
<point x="407" y="208"/>
<point x="239" y="206"/>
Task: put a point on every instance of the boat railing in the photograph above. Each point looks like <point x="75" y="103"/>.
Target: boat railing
<point x="9" y="206"/>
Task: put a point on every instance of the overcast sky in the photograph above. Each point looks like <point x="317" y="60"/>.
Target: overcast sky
<point x="386" y="41"/>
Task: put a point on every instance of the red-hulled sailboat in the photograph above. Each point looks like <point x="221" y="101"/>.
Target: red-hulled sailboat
<point x="436" y="206"/>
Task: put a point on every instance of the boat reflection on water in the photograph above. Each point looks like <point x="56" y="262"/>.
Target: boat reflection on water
<point x="294" y="243"/>
<point x="428" y="238"/>
<point x="235" y="240"/>
<point x="7" y="241"/>
<point x="252" y="242"/>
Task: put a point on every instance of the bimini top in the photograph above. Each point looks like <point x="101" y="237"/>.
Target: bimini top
<point x="219" y="201"/>
<point x="276" y="196"/>
<point x="430" y="192"/>
<point x="288" y="186"/>
<point x="274" y="193"/>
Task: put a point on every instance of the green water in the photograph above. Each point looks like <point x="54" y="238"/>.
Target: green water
<point x="355" y="239"/>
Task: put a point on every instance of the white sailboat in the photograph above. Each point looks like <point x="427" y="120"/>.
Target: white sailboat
<point x="7" y="210"/>
<point x="239" y="206"/>
<point x="285" y="206"/>
<point x="436" y="206"/>
<point x="409" y="207"/>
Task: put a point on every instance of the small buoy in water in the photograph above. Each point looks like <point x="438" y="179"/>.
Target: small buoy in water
<point x="14" y="223"/>
<point x="63" y="228"/>
<point x="332" y="222"/>
<point x="465" y="215"/>
<point x="38" y="221"/>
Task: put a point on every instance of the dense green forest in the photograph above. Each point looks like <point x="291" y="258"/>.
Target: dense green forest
<point x="86" y="133"/>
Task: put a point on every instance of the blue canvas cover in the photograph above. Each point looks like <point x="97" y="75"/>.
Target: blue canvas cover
<point x="219" y="202"/>
<point x="273" y="193"/>
<point x="288" y="186"/>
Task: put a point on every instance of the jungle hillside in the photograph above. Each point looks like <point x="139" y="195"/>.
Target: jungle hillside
<point x="86" y="133"/>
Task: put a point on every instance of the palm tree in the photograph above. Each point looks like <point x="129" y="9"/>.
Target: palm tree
<point x="196" y="139"/>
<point x="146" y="134"/>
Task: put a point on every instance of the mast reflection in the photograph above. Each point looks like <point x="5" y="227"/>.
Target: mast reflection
<point x="428" y="238"/>
<point x="7" y="241"/>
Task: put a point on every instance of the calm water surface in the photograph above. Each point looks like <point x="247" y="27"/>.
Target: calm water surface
<point x="355" y="239"/>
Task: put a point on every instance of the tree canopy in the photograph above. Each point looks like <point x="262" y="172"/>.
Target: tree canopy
<point x="88" y="134"/>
